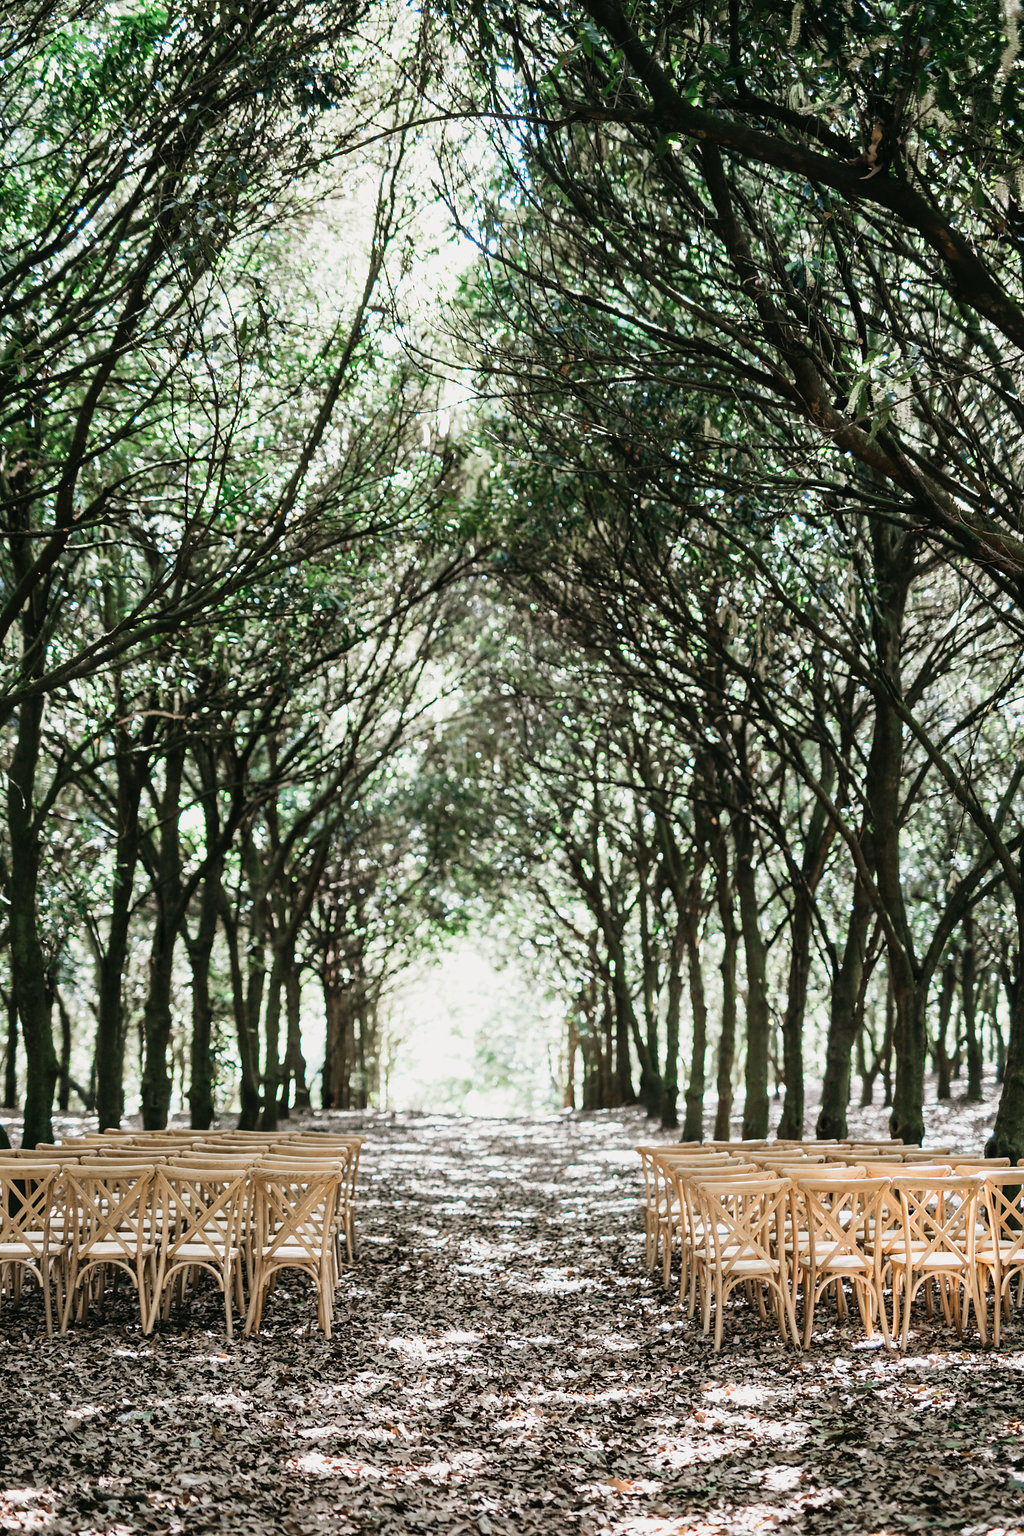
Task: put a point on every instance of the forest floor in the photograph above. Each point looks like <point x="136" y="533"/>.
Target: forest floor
<point x="502" y="1363"/>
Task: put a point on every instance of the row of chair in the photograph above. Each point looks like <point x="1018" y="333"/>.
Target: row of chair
<point x="164" y="1208"/>
<point x="772" y="1219"/>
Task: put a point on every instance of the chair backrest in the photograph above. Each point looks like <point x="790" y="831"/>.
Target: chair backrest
<point x="837" y="1213"/>
<point x="1003" y="1194"/>
<point x="742" y="1218"/>
<point x="113" y="1207"/>
<point x="294" y="1209"/>
<point x="199" y="1208"/>
<point x="130" y="1166"/>
<point x="939" y="1216"/>
<point x="27" y="1195"/>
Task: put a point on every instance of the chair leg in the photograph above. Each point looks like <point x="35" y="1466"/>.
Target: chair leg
<point x="809" y="1290"/>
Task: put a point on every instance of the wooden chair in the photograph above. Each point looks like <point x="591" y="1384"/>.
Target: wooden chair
<point x="688" y="1221"/>
<point x="999" y="1246"/>
<point x="28" y="1244"/>
<point x="320" y="1144"/>
<point x="111" y="1226"/>
<point x="670" y="1217"/>
<point x="293" y="1228"/>
<point x="743" y="1245"/>
<point x="201" y="1213"/>
<point x="834" y="1217"/>
<point x="939" y="1218"/>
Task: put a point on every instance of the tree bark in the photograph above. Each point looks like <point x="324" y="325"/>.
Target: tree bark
<point x="11" y="1061"/>
<point x="27" y="960"/>
<point x="693" y="1125"/>
<point x="158" y="1016"/>
<point x="968" y="990"/>
<point x="200" y="955"/>
<point x="111" y="958"/>
<point x="295" y="1062"/>
<point x="842" y="1024"/>
<point x="755" y="1103"/>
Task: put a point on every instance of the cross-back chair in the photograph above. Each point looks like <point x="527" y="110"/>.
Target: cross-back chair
<point x="293" y="1228"/>
<point x="111" y="1227"/>
<point x="999" y="1245"/>
<point x="28" y="1242"/>
<point x="201" y="1220"/>
<point x="743" y="1245"/>
<point x="834" y="1218"/>
<point x="939" y="1219"/>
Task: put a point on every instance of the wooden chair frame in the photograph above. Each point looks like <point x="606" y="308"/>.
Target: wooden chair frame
<point x="744" y="1245"/>
<point x="201" y="1219"/>
<point x="999" y="1250"/>
<point x="834" y="1217"/>
<point x="293" y="1228"/>
<point x="939" y="1219"/>
<point x="28" y="1195"/>
<point x="110" y="1226"/>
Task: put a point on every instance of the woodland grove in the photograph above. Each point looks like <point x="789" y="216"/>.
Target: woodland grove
<point x="543" y="468"/>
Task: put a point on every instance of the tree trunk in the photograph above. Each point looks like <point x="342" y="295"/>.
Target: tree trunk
<point x="652" y="1085"/>
<point x="158" y="1015"/>
<point x="842" y="1024"/>
<point x="272" y="1037"/>
<point x="248" y="1058"/>
<point x="727" y="1035"/>
<point x="883" y="791"/>
<point x="338" y="1040"/>
<point x="111" y="958"/>
<point x="887" y="1039"/>
<point x="64" y="1069"/>
<point x="11" y="1061"/>
<point x="1007" y="1138"/>
<point x="755" y="1103"/>
<point x="295" y="1062"/>
<point x="27" y="960"/>
<point x="942" y="1059"/>
<point x="791" y="1123"/>
<point x="673" y="1010"/>
<point x="968" y="989"/>
<point x="200" y="955"/>
<point x="693" y="1125"/>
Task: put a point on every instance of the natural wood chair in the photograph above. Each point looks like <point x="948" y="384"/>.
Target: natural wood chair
<point x="201" y="1218"/>
<point x="329" y="1160"/>
<point x="653" y="1190"/>
<point x="293" y="1228"/>
<point x="743" y="1245"/>
<point x="670" y="1216"/>
<point x="29" y="1193"/>
<point x="111" y="1226"/>
<point x="315" y="1145"/>
<point x="834" y="1217"/>
<point x="689" y="1222"/>
<point x="939" y="1219"/>
<point x="999" y="1246"/>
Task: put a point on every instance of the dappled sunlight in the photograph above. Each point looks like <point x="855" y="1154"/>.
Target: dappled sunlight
<point x="501" y="1363"/>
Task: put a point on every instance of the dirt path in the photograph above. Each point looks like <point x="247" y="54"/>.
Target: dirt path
<point x="501" y="1364"/>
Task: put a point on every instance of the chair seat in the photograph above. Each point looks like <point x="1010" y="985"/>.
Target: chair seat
<point x="931" y="1261"/>
<point x="753" y="1267"/>
<point x="285" y="1251"/>
<point x="196" y="1253"/>
<point x="112" y="1250"/>
<point x="849" y="1263"/>
<point x="16" y="1252"/>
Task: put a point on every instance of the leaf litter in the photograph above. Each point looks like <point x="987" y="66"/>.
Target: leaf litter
<point x="502" y="1363"/>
